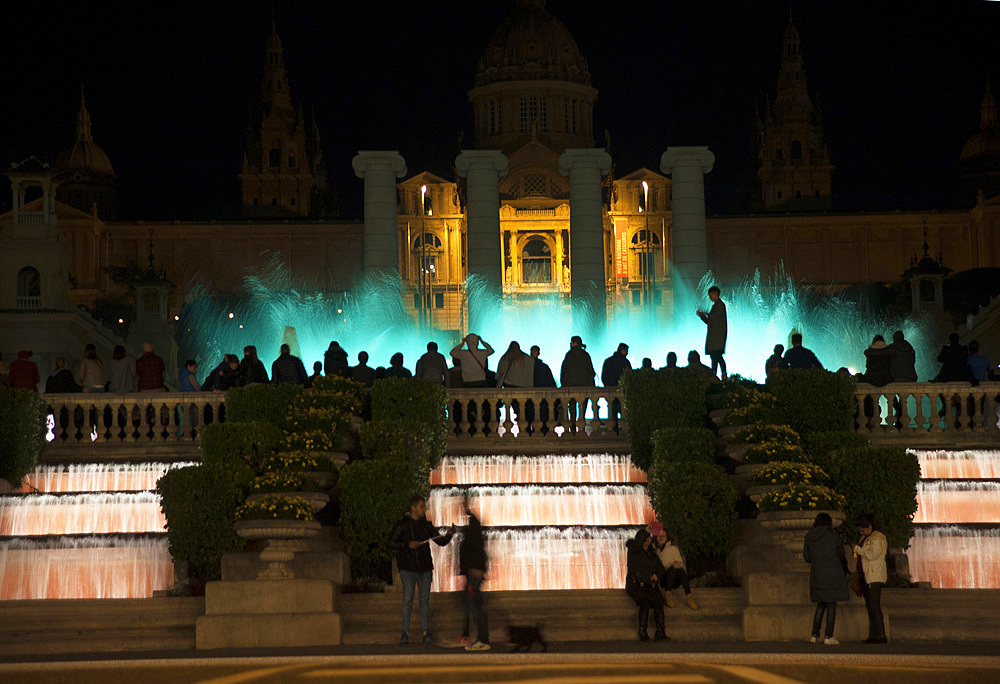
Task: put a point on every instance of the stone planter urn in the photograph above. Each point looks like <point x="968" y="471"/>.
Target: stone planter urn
<point x="789" y="528"/>
<point x="745" y="472"/>
<point x="318" y="500"/>
<point x="283" y="537"/>
<point x="325" y="479"/>
<point x="755" y="492"/>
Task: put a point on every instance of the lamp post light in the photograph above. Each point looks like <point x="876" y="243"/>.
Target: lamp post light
<point x="646" y="293"/>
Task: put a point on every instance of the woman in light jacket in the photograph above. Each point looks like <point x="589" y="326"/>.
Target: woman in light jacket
<point x="870" y="551"/>
<point x="91" y="370"/>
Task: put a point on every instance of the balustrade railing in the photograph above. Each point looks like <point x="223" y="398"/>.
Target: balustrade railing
<point x="922" y="408"/>
<point x="29" y="303"/>
<point x="566" y="414"/>
<point x="140" y="417"/>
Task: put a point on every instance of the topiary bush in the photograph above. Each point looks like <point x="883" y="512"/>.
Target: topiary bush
<point x="655" y="399"/>
<point x="374" y="495"/>
<point x="397" y="439"/>
<point x="769" y="452"/>
<point x="814" y="400"/>
<point x="200" y="504"/>
<point x="261" y="403"/>
<point x="418" y="402"/>
<point x="818" y="444"/>
<point x="879" y="481"/>
<point x="758" y="433"/>
<point x="684" y="444"/>
<point x="22" y="432"/>
<point x="239" y="447"/>
<point x="754" y="414"/>
<point x="697" y="503"/>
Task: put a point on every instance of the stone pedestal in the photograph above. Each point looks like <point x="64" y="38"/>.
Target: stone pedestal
<point x="687" y="167"/>
<point x="482" y="170"/>
<point x="380" y="169"/>
<point x="269" y="613"/>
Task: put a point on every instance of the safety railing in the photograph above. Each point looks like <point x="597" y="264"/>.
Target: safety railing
<point x="925" y="408"/>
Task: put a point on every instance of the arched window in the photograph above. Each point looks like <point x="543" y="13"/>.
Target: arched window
<point x="796" y="150"/>
<point x="426" y="250"/>
<point x="29" y="288"/>
<point x="536" y="262"/>
<point x="274" y="158"/>
<point x="645" y="246"/>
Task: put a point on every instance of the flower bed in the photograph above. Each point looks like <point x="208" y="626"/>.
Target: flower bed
<point x="298" y="460"/>
<point x="769" y="452"/>
<point x="802" y="497"/>
<point x="758" y="433"/>
<point x="785" y="473"/>
<point x="276" y="507"/>
<point x="281" y="481"/>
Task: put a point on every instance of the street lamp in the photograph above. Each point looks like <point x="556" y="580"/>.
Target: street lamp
<point x="646" y="294"/>
<point x="422" y="262"/>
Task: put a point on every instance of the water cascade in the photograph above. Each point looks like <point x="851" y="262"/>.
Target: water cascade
<point x="552" y="522"/>
<point x="956" y="543"/>
<point x="96" y="531"/>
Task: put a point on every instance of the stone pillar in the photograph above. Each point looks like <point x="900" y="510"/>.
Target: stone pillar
<point x="380" y="169"/>
<point x="687" y="167"/>
<point x="585" y="168"/>
<point x="482" y="170"/>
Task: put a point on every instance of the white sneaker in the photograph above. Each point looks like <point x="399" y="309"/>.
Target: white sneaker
<point x="831" y="641"/>
<point x="813" y="639"/>
<point x="477" y="646"/>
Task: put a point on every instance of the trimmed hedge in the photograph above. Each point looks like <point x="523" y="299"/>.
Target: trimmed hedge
<point x="239" y="448"/>
<point x="818" y="444"/>
<point x="22" y="432"/>
<point x="879" y="481"/>
<point x="683" y="445"/>
<point x="261" y="403"/>
<point x="655" y="399"/>
<point x="417" y="401"/>
<point x="374" y="495"/>
<point x="200" y="503"/>
<point x="759" y="433"/>
<point x="754" y="414"/>
<point x="697" y="503"/>
<point x="397" y="439"/>
<point x="814" y="400"/>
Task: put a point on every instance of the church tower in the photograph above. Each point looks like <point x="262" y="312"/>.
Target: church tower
<point x="979" y="164"/>
<point x="795" y="167"/>
<point x="277" y="175"/>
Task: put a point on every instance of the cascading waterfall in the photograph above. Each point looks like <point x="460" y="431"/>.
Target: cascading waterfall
<point x="98" y="513"/>
<point x="90" y="567"/>
<point x="532" y="505"/>
<point x="552" y="468"/>
<point x="97" y="477"/>
<point x="956" y="543"/>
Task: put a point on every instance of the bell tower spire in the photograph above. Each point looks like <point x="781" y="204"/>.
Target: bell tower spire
<point x="277" y="177"/>
<point x="794" y="164"/>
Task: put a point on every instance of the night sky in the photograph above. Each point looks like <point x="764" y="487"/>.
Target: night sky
<point x="169" y="86"/>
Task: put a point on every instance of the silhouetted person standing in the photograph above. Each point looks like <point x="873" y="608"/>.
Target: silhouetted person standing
<point x="363" y="373"/>
<point x="718" y="330"/>
<point x="288" y="368"/>
<point x="954" y="358"/>
<point x="902" y="359"/>
<point x="251" y="367"/>
<point x="432" y="366"/>
<point x="335" y="361"/>
<point x="149" y="370"/>
<point x="774" y="361"/>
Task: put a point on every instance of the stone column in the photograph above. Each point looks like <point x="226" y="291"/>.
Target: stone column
<point x="687" y="167"/>
<point x="482" y="170"/>
<point x="380" y="169"/>
<point x="585" y="168"/>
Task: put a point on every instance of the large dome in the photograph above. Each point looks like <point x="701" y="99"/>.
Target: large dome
<point x="84" y="154"/>
<point x="532" y="45"/>
<point x="986" y="141"/>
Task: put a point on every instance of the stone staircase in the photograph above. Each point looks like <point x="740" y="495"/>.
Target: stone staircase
<point x="927" y="614"/>
<point x="578" y="615"/>
<point x="98" y="625"/>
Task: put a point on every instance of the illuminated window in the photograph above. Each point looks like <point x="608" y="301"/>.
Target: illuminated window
<point x="426" y="249"/>
<point x="645" y="245"/>
<point x="536" y="262"/>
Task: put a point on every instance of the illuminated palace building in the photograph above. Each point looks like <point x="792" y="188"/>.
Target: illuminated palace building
<point x="532" y="101"/>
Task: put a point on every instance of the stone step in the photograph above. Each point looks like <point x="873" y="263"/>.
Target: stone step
<point x="120" y="453"/>
<point x="563" y="615"/>
<point x="928" y="614"/>
<point x="77" y="625"/>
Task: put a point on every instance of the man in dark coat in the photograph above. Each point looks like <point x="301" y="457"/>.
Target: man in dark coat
<point x="288" y="368"/>
<point x="432" y="366"/>
<point x="902" y="359"/>
<point x="827" y="560"/>
<point x="642" y="577"/>
<point x="878" y="363"/>
<point x="612" y="370"/>
<point x="409" y="539"/>
<point x="472" y="561"/>
<point x="363" y="373"/>
<point x="718" y="330"/>
<point x="954" y="362"/>
<point x="577" y="371"/>
<point x="251" y="367"/>
<point x="542" y="378"/>
<point x="799" y="357"/>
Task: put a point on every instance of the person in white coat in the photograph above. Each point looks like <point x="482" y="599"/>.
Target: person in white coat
<point x="665" y="547"/>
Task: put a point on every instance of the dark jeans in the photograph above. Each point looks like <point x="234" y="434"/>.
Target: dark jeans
<point x="831" y="618"/>
<point x="422" y="582"/>
<point x="474" y="606"/>
<point x="675" y="577"/>
<point x="718" y="362"/>
<point x="873" y="602"/>
<point x="646" y="597"/>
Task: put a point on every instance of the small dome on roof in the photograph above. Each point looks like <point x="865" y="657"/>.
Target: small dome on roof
<point x="532" y="45"/>
<point x="986" y="141"/>
<point x="84" y="153"/>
